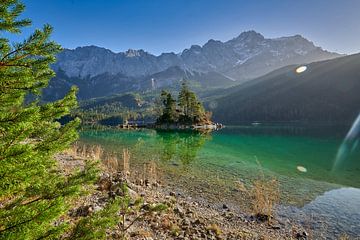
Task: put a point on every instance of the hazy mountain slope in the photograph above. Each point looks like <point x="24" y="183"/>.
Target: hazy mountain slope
<point x="328" y="91"/>
<point x="127" y="100"/>
<point x="172" y="75"/>
<point x="90" y="87"/>
<point x="108" y="84"/>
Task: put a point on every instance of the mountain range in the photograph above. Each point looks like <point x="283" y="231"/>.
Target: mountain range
<point x="101" y="72"/>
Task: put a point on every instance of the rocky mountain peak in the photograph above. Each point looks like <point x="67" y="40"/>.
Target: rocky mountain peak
<point x="250" y="36"/>
<point x="134" y="53"/>
<point x="212" y="43"/>
<point x="242" y="58"/>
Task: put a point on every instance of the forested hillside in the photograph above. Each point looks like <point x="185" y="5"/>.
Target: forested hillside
<point x="328" y="91"/>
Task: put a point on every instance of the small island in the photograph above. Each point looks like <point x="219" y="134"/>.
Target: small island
<point x="187" y="112"/>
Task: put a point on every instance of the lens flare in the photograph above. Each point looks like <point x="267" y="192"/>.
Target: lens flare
<point x="301" y="169"/>
<point x="301" y="69"/>
<point x="349" y="144"/>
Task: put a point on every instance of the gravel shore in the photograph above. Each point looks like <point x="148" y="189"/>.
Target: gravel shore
<point x="187" y="217"/>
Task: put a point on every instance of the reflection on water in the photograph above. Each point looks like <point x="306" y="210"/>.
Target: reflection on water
<point x="180" y="147"/>
<point x="279" y="149"/>
<point x="171" y="147"/>
<point x="336" y="210"/>
<point x="301" y="157"/>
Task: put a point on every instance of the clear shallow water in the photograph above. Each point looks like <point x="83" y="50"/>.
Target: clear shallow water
<point x="331" y="214"/>
<point x="245" y="152"/>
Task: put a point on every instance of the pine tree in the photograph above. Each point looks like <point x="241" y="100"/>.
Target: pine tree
<point x="33" y="194"/>
<point x="192" y="111"/>
<point x="187" y="110"/>
<point x="169" y="114"/>
<point x="183" y="98"/>
<point x="199" y="112"/>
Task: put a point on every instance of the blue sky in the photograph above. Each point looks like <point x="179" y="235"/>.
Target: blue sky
<point x="172" y="25"/>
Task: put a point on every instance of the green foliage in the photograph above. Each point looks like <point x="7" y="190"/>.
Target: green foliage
<point x="192" y="110"/>
<point x="114" y="110"/>
<point x="187" y="110"/>
<point x="33" y="193"/>
<point x="10" y="11"/>
<point x="169" y="111"/>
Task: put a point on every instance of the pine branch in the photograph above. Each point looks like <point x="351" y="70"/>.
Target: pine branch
<point x="12" y="52"/>
<point x="26" y="221"/>
<point x="14" y="65"/>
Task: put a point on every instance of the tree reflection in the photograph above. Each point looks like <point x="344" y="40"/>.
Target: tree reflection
<point x="180" y="147"/>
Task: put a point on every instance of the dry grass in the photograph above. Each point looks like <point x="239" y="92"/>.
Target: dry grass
<point x="150" y="172"/>
<point x="245" y="234"/>
<point x="98" y="152"/>
<point x="112" y="163"/>
<point x="84" y="151"/>
<point x="94" y="152"/>
<point x="144" y="234"/>
<point x="215" y="229"/>
<point x="72" y="151"/>
<point x="175" y="229"/>
<point x="265" y="194"/>
<point x="149" y="175"/>
<point x="126" y="162"/>
<point x="344" y="237"/>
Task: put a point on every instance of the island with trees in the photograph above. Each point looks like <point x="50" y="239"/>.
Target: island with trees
<point x="185" y="112"/>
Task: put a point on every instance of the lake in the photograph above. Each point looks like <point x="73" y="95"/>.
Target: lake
<point x="316" y="188"/>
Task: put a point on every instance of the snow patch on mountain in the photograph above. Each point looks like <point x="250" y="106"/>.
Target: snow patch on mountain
<point x="246" y="56"/>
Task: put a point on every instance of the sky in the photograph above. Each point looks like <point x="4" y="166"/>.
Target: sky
<point x="172" y="25"/>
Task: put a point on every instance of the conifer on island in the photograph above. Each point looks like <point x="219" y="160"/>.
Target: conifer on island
<point x="186" y="110"/>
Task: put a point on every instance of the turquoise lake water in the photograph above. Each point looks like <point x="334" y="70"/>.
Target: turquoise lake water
<point x="302" y="158"/>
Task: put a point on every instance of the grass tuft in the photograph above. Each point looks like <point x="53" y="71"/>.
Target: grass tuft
<point x="265" y="195"/>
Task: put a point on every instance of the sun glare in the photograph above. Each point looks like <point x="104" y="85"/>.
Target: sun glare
<point x="301" y="69"/>
<point x="301" y="169"/>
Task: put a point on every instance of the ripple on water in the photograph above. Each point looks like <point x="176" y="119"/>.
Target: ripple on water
<point x="331" y="214"/>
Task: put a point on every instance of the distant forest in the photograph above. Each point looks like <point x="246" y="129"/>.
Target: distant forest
<point x="160" y="107"/>
<point x="328" y="91"/>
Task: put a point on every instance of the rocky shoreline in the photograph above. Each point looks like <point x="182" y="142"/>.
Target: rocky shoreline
<point x="175" y="127"/>
<point x="185" y="218"/>
<point x="208" y="126"/>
